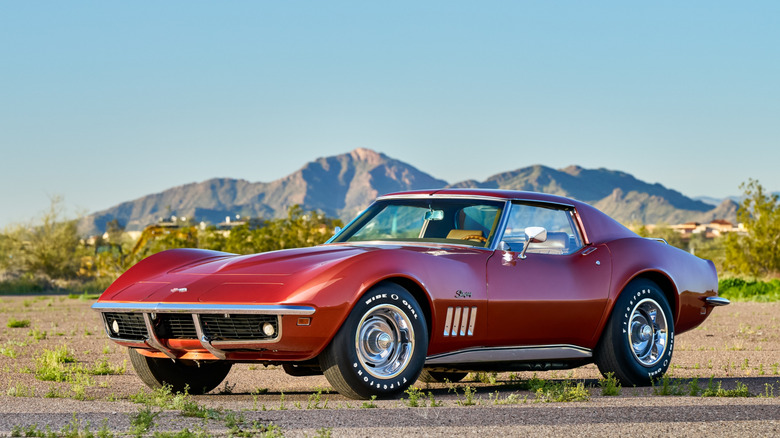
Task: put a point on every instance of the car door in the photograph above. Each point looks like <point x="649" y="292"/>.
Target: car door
<point x="557" y="294"/>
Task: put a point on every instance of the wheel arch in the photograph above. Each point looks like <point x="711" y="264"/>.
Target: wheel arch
<point x="419" y="294"/>
<point x="664" y="282"/>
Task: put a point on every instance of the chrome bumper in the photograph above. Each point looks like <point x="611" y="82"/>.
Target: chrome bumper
<point x="717" y="301"/>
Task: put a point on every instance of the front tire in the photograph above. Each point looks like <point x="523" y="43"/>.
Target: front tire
<point x="381" y="347"/>
<point x="638" y="341"/>
<point x="157" y="372"/>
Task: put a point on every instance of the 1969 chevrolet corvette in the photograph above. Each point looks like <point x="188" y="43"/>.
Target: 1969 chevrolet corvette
<point x="425" y="284"/>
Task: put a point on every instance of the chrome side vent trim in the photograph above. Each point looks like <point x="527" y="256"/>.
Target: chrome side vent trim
<point x="460" y="321"/>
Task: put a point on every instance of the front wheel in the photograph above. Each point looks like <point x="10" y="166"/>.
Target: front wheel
<point x="381" y="347"/>
<point x="637" y="343"/>
<point x="196" y="379"/>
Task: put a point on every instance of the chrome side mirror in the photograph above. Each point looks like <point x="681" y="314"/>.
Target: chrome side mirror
<point x="533" y="235"/>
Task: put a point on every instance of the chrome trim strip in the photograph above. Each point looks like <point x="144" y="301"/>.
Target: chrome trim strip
<point x="657" y="239"/>
<point x="444" y="196"/>
<point x="219" y="354"/>
<point x="478" y="197"/>
<point x="510" y="354"/>
<point x="448" y="321"/>
<point x="472" y="321"/>
<point x="717" y="301"/>
<point x="456" y="321"/>
<point x="153" y="341"/>
<point x="335" y="235"/>
<point x="260" y="309"/>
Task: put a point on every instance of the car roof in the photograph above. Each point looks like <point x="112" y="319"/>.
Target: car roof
<point x="485" y="193"/>
<point x="598" y="227"/>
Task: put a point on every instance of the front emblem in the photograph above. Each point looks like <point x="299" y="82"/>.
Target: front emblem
<point x="179" y="289"/>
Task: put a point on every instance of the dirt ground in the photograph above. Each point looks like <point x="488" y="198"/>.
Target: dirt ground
<point x="738" y="343"/>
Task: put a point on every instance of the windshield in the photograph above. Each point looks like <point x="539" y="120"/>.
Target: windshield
<point x="455" y="221"/>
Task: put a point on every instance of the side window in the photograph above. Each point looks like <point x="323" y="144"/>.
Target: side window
<point x="562" y="234"/>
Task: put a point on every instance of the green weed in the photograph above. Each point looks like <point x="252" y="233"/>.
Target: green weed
<point x="50" y="365"/>
<point x="19" y="390"/>
<point x="370" y="404"/>
<point x="566" y="391"/>
<point x="17" y="323"/>
<point x="717" y="390"/>
<point x="143" y="420"/>
<point x="609" y="385"/>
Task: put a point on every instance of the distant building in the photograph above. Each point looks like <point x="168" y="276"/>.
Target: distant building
<point x="716" y="228"/>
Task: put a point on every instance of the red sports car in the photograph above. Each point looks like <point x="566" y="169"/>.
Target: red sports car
<point x="425" y="284"/>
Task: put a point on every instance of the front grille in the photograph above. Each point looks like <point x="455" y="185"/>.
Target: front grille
<point x="238" y="327"/>
<point x="128" y="326"/>
<point x="175" y="326"/>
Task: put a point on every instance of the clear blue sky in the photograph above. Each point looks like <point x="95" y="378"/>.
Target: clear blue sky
<point x="107" y="101"/>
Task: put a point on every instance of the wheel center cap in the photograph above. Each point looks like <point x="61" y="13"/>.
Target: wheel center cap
<point x="383" y="341"/>
<point x="645" y="333"/>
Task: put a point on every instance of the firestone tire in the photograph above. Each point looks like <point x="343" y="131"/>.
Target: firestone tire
<point x="156" y="373"/>
<point x="427" y="376"/>
<point x="381" y="347"/>
<point x="638" y="341"/>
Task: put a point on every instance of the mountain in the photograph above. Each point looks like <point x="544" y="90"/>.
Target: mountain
<point x="339" y="186"/>
<point x="616" y="193"/>
<point x="343" y="185"/>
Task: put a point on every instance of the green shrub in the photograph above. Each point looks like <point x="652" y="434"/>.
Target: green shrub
<point x="18" y="323"/>
<point x="737" y="289"/>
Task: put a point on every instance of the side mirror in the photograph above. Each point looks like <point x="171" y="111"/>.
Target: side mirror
<point x="533" y="235"/>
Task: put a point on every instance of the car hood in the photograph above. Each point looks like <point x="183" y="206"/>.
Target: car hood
<point x="265" y="277"/>
<point x="291" y="276"/>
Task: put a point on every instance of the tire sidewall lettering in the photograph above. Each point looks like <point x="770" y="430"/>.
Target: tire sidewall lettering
<point x="662" y="364"/>
<point x="406" y="305"/>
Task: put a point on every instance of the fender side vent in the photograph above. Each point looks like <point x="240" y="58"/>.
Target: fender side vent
<point x="460" y="321"/>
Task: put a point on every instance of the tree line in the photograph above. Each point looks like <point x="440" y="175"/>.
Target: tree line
<point x="49" y="253"/>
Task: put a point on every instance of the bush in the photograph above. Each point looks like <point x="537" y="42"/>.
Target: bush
<point x="738" y="289"/>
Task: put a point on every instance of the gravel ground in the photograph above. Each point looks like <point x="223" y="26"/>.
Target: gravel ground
<point x="738" y="345"/>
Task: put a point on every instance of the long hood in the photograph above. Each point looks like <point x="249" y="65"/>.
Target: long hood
<point x="287" y="276"/>
<point x="259" y="278"/>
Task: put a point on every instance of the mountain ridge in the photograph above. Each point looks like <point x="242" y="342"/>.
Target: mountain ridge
<point x="343" y="185"/>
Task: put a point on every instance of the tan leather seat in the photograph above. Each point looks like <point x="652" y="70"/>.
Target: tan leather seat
<point x="462" y="234"/>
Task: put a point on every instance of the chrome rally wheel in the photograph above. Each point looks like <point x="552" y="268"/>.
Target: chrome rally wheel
<point x="648" y="332"/>
<point x="385" y="341"/>
<point x="380" y="348"/>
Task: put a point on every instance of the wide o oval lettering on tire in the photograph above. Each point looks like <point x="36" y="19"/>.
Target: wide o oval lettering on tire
<point x="381" y="347"/>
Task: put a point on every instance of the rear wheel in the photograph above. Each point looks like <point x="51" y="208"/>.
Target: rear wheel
<point x="156" y="372"/>
<point x="427" y="376"/>
<point x="381" y="347"/>
<point x="638" y="341"/>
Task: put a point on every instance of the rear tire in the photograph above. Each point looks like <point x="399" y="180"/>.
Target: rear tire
<point x="381" y="347"/>
<point x="637" y="343"/>
<point x="157" y="372"/>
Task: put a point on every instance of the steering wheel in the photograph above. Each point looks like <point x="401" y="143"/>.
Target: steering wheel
<point x="474" y="237"/>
